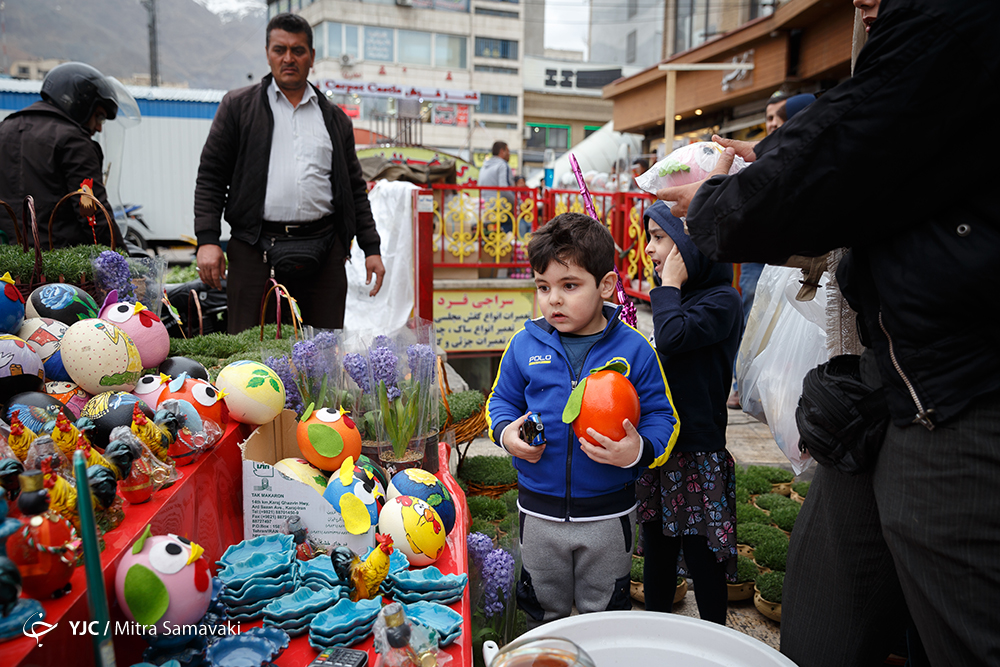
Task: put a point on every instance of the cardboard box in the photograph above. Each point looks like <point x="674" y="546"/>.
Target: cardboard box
<point x="269" y="497"/>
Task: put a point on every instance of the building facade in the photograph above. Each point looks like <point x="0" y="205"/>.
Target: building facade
<point x="442" y="73"/>
<point x="802" y="46"/>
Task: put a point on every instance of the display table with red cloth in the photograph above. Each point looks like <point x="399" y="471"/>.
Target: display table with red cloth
<point x="206" y="506"/>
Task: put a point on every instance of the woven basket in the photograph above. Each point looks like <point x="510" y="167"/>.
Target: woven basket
<point x="38" y="278"/>
<point x="771" y="610"/>
<point x="467" y="429"/>
<point x="490" y="490"/>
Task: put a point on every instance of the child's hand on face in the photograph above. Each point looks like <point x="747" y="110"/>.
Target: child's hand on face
<point x="674" y="271"/>
<point x="621" y="453"/>
<point x="517" y="447"/>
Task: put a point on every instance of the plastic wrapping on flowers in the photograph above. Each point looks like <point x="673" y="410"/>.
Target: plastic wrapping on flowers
<point x="135" y="278"/>
<point x="314" y="373"/>
<point x="395" y="376"/>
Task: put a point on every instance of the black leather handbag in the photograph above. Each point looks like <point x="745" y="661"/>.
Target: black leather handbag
<point x="842" y="421"/>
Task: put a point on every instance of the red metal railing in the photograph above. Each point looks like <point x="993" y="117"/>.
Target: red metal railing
<point x="476" y="228"/>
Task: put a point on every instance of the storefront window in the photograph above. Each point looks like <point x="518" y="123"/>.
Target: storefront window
<point x="548" y="136"/>
<point x="334" y="39"/>
<point x="414" y="47"/>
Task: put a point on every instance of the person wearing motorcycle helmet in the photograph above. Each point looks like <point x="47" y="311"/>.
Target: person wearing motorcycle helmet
<point x="47" y="150"/>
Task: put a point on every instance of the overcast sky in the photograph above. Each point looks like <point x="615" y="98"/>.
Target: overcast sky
<point x="566" y="24"/>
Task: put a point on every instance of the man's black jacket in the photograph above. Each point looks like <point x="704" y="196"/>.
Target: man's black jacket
<point x="232" y="176"/>
<point x="46" y="154"/>
<point x="882" y="163"/>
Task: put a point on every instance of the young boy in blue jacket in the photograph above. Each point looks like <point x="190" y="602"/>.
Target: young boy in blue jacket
<point x="577" y="501"/>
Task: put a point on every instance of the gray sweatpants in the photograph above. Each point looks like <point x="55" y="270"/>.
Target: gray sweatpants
<point x="566" y="563"/>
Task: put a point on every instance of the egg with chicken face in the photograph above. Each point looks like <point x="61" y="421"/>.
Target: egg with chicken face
<point x="150" y="386"/>
<point x="11" y="305"/>
<point x="415" y="527"/>
<point x="327" y="437"/>
<point x="201" y="395"/>
<point x="142" y="325"/>
<point x="424" y="485"/>
<point x="163" y="581"/>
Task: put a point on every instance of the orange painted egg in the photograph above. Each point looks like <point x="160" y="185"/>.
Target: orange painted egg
<point x="327" y="437"/>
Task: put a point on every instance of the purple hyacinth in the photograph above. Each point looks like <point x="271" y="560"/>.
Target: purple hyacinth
<point x="382" y="341"/>
<point x="383" y="365"/>
<point x="280" y="365"/>
<point x="479" y="546"/>
<point x="421" y="359"/>
<point x="325" y="340"/>
<point x="305" y="357"/>
<point x="357" y="367"/>
<point x="111" y="272"/>
<point x="498" y="576"/>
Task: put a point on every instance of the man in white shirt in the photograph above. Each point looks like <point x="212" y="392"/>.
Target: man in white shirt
<point x="280" y="162"/>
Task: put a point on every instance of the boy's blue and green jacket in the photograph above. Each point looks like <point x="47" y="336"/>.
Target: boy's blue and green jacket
<point x="535" y="374"/>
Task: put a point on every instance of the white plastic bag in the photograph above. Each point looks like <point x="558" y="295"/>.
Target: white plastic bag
<point x="687" y="164"/>
<point x="784" y="340"/>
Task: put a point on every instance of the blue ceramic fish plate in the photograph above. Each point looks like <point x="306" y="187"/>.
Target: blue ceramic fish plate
<point x="255" y="567"/>
<point x="352" y="633"/>
<point x="318" y="584"/>
<point x="265" y="544"/>
<point x="427" y="579"/>
<point x="302" y="601"/>
<point x="346" y="614"/>
<point x="397" y="560"/>
<point x="241" y="651"/>
<point x="440" y="598"/>
<point x="443" y="619"/>
<point x="257" y="591"/>
<point x="279" y="638"/>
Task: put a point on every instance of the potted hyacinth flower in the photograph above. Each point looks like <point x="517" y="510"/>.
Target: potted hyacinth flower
<point x="401" y="391"/>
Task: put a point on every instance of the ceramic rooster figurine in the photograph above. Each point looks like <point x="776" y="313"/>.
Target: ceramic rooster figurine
<point x="365" y="577"/>
<point x="62" y="495"/>
<point x="20" y="438"/>
<point x="156" y="438"/>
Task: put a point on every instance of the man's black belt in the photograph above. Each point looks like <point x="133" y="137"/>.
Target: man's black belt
<point x="312" y="228"/>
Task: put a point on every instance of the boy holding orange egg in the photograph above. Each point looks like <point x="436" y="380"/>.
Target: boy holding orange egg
<point x="576" y="491"/>
<point x="688" y="505"/>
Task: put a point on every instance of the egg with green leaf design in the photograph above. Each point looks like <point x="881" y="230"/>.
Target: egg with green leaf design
<point x="327" y="437"/>
<point x="301" y="471"/>
<point x="254" y="393"/>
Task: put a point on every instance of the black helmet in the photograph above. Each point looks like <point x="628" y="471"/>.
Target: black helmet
<point x="76" y="88"/>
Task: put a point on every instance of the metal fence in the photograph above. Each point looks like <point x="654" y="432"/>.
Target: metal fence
<point x="489" y="227"/>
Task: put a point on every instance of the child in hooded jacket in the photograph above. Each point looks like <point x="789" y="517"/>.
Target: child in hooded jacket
<point x="687" y="506"/>
<point x="576" y="500"/>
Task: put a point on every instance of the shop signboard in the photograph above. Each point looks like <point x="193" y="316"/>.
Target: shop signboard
<point x="399" y="91"/>
<point x="456" y="115"/>
<point x="481" y="320"/>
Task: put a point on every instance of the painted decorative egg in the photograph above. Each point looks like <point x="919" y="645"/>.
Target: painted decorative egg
<point x="163" y="581"/>
<point x="69" y="394"/>
<point x="254" y="392"/>
<point x="59" y="301"/>
<point x="21" y="368"/>
<point x="101" y="357"/>
<point x="424" y="485"/>
<point x="377" y="471"/>
<point x="142" y="325"/>
<point x="354" y="498"/>
<point x="149" y="387"/>
<point x="108" y="410"/>
<point x="37" y="411"/>
<point x="44" y="336"/>
<point x="302" y="471"/>
<point x="43" y="570"/>
<point x="364" y="472"/>
<point x="11" y="305"/>
<point x="174" y="366"/>
<point x="327" y="437"/>
<point x="200" y="395"/>
<point x="415" y="527"/>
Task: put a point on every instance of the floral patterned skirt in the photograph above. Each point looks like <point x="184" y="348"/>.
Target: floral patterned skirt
<point x="694" y="493"/>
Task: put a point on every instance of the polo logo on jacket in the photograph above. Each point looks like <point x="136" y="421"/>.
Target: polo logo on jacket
<point x="539" y="359"/>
